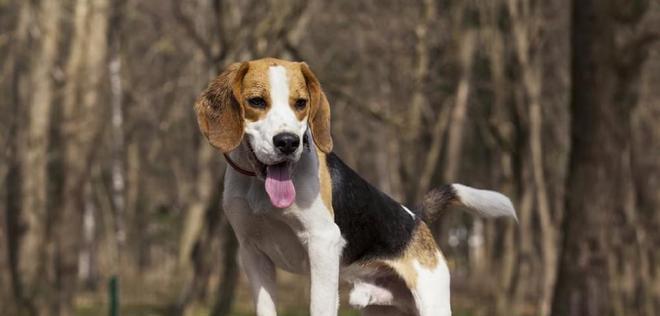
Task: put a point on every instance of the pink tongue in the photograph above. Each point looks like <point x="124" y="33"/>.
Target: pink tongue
<point x="280" y="186"/>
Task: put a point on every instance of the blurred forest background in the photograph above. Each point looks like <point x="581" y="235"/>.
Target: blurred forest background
<point x="103" y="171"/>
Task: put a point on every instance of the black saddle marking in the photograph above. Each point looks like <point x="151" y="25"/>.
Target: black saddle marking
<point x="372" y="223"/>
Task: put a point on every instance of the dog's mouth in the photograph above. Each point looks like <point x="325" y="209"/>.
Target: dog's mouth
<point x="278" y="180"/>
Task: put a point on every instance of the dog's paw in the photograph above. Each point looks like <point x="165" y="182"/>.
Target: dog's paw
<point x="365" y="294"/>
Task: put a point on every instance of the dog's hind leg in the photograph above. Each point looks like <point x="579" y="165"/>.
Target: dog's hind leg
<point x="431" y="293"/>
<point x="376" y="310"/>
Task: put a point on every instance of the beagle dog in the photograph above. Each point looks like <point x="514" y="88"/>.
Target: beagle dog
<point x="293" y="204"/>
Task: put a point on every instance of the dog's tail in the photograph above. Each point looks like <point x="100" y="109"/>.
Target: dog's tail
<point x="484" y="203"/>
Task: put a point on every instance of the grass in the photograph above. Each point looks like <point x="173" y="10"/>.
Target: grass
<point x="152" y="296"/>
<point x="151" y="310"/>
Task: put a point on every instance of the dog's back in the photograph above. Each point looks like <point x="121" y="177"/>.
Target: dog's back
<point x="390" y="256"/>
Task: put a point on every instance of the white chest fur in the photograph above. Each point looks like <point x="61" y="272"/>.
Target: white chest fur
<point x="282" y="234"/>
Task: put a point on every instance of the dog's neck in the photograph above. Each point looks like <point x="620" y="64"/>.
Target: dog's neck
<point x="305" y="179"/>
<point x="240" y="157"/>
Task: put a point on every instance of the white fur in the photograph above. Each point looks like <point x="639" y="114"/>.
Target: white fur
<point x="484" y="202"/>
<point x="431" y="293"/>
<point x="364" y="294"/>
<point x="279" y="119"/>
<point x="279" y="86"/>
<point x="260" y="272"/>
<point x="408" y="211"/>
<point x="301" y="239"/>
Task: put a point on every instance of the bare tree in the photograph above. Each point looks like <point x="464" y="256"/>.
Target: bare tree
<point x="598" y="213"/>
<point x="526" y="28"/>
<point x="17" y="72"/>
<point x="34" y="172"/>
<point x="82" y="126"/>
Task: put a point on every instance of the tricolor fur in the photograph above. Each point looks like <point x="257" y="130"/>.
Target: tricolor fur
<point x="307" y="212"/>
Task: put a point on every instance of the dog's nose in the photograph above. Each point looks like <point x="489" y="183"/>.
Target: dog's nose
<point x="286" y="143"/>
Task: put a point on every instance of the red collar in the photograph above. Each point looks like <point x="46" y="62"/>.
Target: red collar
<point x="238" y="168"/>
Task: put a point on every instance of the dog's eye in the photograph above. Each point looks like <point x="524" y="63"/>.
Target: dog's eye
<point x="301" y="103"/>
<point x="257" y="102"/>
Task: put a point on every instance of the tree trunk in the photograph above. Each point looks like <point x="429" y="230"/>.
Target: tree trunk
<point x="34" y="166"/>
<point x="229" y="280"/>
<point x="599" y="244"/>
<point x="17" y="135"/>
<point x="201" y="253"/>
<point x="118" y="143"/>
<point x="82" y="125"/>
<point x="88" y="270"/>
<point x="459" y="111"/>
<point x="526" y="29"/>
<point x="419" y="100"/>
<point x="646" y="173"/>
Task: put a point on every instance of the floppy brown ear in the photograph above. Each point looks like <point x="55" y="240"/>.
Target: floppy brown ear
<point x="219" y="110"/>
<point x="319" y="112"/>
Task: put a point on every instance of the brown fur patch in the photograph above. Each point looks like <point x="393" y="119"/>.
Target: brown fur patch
<point x="325" y="180"/>
<point x="219" y="113"/>
<point x="319" y="112"/>
<point x="256" y="83"/>
<point x="298" y="90"/>
<point x="405" y="269"/>
<point x="422" y="248"/>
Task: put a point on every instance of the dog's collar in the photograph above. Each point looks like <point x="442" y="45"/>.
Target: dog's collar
<point x="238" y="168"/>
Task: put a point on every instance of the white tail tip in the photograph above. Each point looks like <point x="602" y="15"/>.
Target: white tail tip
<point x="484" y="203"/>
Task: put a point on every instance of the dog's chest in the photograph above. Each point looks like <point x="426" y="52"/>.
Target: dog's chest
<point x="281" y="234"/>
<point x="281" y="244"/>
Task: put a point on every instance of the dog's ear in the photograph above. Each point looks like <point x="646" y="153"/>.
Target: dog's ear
<point x="220" y="111"/>
<point x="319" y="112"/>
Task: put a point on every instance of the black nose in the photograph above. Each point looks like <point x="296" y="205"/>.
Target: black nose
<point x="286" y="143"/>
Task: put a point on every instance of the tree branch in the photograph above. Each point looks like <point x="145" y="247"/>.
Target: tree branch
<point x="189" y="27"/>
<point x="220" y="30"/>
<point x="298" y="19"/>
<point x="368" y="110"/>
<point x="437" y="143"/>
<point x="633" y="53"/>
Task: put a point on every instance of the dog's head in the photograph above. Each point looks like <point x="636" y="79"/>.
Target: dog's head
<point x="272" y="103"/>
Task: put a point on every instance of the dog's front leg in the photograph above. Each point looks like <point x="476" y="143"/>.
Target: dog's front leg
<point x="324" y="248"/>
<point x="260" y="272"/>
